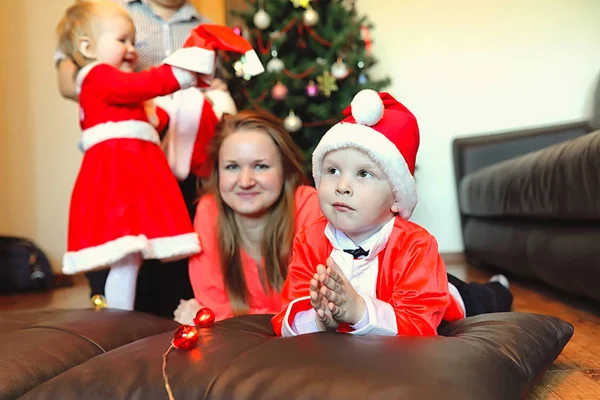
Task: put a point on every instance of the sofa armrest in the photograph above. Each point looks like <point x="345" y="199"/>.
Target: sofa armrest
<point x="475" y="152"/>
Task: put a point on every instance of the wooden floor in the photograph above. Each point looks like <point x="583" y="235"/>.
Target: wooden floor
<point x="575" y="375"/>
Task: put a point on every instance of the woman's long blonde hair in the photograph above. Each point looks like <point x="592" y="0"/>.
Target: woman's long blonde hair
<point x="279" y="232"/>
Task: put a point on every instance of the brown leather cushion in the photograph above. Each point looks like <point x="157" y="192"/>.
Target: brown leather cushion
<point x="38" y="345"/>
<point x="558" y="182"/>
<point x="494" y="356"/>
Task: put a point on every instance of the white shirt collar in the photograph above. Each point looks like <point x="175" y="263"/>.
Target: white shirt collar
<point x="374" y="243"/>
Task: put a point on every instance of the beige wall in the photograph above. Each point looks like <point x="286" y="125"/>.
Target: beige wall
<point x="39" y="129"/>
<point x="214" y="10"/>
<point x="470" y="66"/>
<point x="463" y="67"/>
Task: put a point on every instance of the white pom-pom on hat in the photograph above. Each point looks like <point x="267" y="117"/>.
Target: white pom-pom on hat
<point x="367" y="107"/>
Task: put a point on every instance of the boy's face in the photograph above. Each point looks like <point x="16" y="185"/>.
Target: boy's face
<point x="354" y="194"/>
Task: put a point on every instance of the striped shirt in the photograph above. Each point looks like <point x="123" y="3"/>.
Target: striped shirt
<point x="156" y="38"/>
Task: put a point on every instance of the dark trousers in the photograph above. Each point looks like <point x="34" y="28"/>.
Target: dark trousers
<point x="482" y="298"/>
<point x="160" y="285"/>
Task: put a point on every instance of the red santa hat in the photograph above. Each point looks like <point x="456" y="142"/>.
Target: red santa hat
<point x="387" y="132"/>
<point x="198" y="52"/>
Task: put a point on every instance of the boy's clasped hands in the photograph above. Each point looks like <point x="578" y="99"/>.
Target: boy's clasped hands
<point x="333" y="298"/>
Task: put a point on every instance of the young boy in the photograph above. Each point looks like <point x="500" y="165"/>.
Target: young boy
<point x="383" y="275"/>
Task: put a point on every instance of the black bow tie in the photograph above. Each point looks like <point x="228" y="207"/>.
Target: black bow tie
<point x="357" y="253"/>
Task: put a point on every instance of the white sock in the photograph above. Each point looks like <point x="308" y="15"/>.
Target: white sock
<point x="501" y="279"/>
<point x="120" y="285"/>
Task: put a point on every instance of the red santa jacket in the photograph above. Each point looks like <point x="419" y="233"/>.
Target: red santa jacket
<point x="411" y="278"/>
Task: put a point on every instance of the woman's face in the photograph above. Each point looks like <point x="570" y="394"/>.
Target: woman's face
<point x="250" y="173"/>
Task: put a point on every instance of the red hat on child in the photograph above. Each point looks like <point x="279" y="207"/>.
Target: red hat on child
<point x="387" y="132"/>
<point x="198" y="52"/>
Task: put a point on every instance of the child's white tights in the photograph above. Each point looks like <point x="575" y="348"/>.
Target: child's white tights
<point x="120" y="285"/>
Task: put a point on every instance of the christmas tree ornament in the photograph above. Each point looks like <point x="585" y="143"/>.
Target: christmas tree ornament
<point x="205" y="318"/>
<point x="275" y="64"/>
<point x="310" y="17"/>
<point x="365" y="35"/>
<point x="360" y="64"/>
<point x="292" y="123"/>
<point x="362" y="79"/>
<point x="262" y="19"/>
<point x="339" y="70"/>
<point x="277" y="35"/>
<point x="99" y="302"/>
<point x="312" y="90"/>
<point x="321" y="61"/>
<point x="301" y="3"/>
<point x="327" y="84"/>
<point x="279" y="91"/>
<point x="238" y="67"/>
<point x="241" y="69"/>
<point x="186" y="337"/>
<point x="237" y="30"/>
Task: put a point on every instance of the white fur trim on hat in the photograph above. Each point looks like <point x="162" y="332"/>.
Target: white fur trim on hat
<point x="253" y="65"/>
<point x="193" y="59"/>
<point x="367" y="107"/>
<point x="381" y="150"/>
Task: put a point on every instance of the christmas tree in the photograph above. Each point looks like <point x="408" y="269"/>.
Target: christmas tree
<point x="317" y="54"/>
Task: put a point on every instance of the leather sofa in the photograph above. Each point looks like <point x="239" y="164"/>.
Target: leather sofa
<point x="110" y="354"/>
<point x="529" y="203"/>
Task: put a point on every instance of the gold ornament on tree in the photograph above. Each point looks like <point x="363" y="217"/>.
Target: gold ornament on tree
<point x="292" y="123"/>
<point x="327" y="83"/>
<point x="301" y="3"/>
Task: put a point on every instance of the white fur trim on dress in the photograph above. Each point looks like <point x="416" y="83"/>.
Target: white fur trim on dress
<point x="381" y="150"/>
<point x="184" y="114"/>
<point x="382" y="318"/>
<point x="222" y="102"/>
<point x="118" y="130"/>
<point x="185" y="78"/>
<point x="105" y="255"/>
<point x="286" y="328"/>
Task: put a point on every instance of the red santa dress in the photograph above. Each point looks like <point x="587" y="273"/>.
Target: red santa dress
<point x="403" y="280"/>
<point x="125" y="199"/>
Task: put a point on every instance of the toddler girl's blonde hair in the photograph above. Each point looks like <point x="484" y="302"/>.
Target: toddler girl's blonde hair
<point x="80" y="20"/>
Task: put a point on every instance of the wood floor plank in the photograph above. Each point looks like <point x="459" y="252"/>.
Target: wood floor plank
<point x="568" y="385"/>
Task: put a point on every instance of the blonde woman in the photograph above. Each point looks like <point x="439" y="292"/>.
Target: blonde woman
<point x="256" y="203"/>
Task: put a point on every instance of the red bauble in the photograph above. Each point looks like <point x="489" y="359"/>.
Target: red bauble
<point x="186" y="337"/>
<point x="205" y="318"/>
<point x="279" y="91"/>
